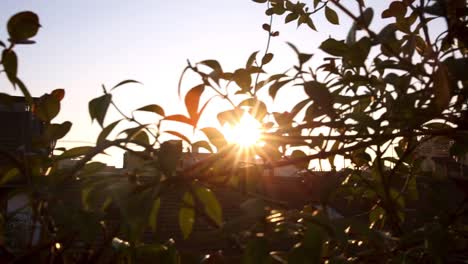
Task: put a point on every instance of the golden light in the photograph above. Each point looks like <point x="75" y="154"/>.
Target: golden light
<point x="245" y="133"/>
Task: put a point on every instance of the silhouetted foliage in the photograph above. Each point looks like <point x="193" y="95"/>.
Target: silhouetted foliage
<point x="377" y="92"/>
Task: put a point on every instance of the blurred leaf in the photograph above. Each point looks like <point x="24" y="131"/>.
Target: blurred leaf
<point x="257" y="251"/>
<point x="47" y="107"/>
<point x="396" y="9"/>
<point x="9" y="175"/>
<point x="123" y="83"/>
<point x="215" y="137"/>
<point x="298" y="154"/>
<point x="202" y="144"/>
<point x="243" y="79"/>
<point x="274" y="88"/>
<point x="98" y="108"/>
<point x="106" y="131"/>
<point x="257" y="108"/>
<point x="57" y="131"/>
<point x="186" y="215"/>
<point x="153" y="217"/>
<point x="169" y="155"/>
<point x="331" y="15"/>
<point x="22" y="26"/>
<point x="210" y="203"/>
<point x="334" y="47"/>
<point x="192" y="100"/>
<point x="230" y="116"/>
<point x="442" y="93"/>
<point x="141" y="137"/>
<point x="75" y="152"/>
<point x="179" y="135"/>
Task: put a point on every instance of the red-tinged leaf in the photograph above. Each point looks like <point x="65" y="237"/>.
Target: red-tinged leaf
<point x="124" y="82"/>
<point x="192" y="100"/>
<point x="179" y="135"/>
<point x="58" y="93"/>
<point x="202" y="144"/>
<point x="179" y="118"/>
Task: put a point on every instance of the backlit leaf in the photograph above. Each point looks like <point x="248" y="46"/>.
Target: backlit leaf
<point x="215" y="137"/>
<point x="192" y="100"/>
<point x="210" y="203"/>
<point x="154" y="108"/>
<point x="123" y="83"/>
<point x="267" y="58"/>
<point x="179" y="135"/>
<point x="106" y="131"/>
<point x="98" y="108"/>
<point x="186" y="215"/>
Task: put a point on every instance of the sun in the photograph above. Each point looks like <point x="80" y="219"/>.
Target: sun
<point x="246" y="133"/>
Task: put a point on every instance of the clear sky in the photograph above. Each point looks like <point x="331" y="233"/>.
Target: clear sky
<point x="83" y="44"/>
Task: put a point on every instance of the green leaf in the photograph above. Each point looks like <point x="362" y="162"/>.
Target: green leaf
<point x="331" y="15"/>
<point x="267" y="58"/>
<point x="243" y="79"/>
<point x="47" y="107"/>
<point x="98" y="108"/>
<point x="10" y="64"/>
<point x="210" y="204"/>
<point x="106" y="131"/>
<point x="334" y="47"/>
<point x="22" y="26"/>
<point x="124" y="82"/>
<point x="186" y="215"/>
<point x="215" y="137"/>
<point x="75" y="152"/>
<point x="153" y="216"/>
<point x="9" y="175"/>
<point x="192" y="100"/>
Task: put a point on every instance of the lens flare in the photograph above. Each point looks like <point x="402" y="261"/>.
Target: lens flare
<point x="245" y="133"/>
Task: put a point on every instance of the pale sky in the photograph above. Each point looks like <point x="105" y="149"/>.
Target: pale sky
<point x="83" y="44"/>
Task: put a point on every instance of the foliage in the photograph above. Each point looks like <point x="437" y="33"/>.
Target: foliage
<point x="395" y="88"/>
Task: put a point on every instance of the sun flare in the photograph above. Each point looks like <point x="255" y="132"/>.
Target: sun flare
<point x="245" y="133"/>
